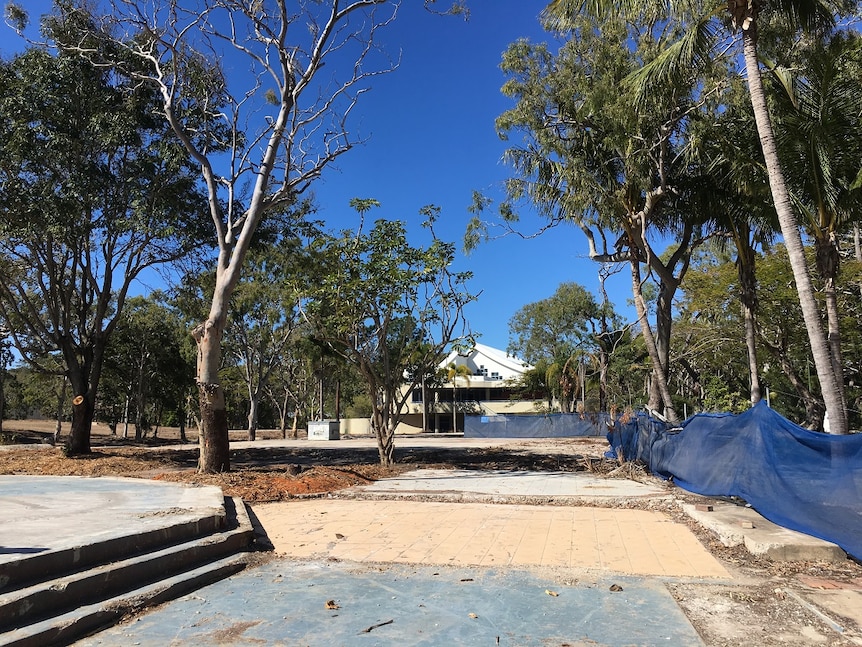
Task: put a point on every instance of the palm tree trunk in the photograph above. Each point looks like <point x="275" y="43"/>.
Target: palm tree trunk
<point x="829" y="384"/>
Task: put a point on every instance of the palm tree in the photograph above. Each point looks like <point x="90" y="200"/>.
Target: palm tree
<point x="820" y="129"/>
<point x="744" y="16"/>
<point x="743" y="209"/>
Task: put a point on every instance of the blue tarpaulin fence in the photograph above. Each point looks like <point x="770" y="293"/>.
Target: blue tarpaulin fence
<point x="555" y="425"/>
<point x="796" y="478"/>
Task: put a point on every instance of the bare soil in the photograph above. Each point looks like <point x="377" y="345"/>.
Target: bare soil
<point x="766" y="603"/>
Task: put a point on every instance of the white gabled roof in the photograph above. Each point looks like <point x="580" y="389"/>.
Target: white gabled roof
<point x="492" y="359"/>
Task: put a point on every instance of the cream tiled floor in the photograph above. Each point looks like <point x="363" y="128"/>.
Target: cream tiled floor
<point x="633" y="542"/>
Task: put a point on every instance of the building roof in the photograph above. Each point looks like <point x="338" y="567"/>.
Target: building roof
<point x="490" y="362"/>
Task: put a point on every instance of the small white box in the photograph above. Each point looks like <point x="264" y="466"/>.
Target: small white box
<point x="324" y="430"/>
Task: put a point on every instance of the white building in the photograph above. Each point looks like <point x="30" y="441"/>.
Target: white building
<point x="489" y="385"/>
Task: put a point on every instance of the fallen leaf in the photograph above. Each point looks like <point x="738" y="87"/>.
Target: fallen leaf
<point x="338" y="535"/>
<point x="330" y="604"/>
<point x="616" y="587"/>
<point x="553" y="594"/>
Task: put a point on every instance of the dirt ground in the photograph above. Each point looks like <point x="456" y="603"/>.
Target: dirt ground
<point x="766" y="603"/>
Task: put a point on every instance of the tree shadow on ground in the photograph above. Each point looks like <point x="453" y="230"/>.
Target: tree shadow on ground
<point x="452" y="458"/>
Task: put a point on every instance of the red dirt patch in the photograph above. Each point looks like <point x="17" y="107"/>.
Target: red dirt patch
<point x="264" y="486"/>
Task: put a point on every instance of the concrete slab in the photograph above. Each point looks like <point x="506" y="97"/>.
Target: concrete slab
<point x="739" y="525"/>
<point x="474" y="484"/>
<point x="636" y="542"/>
<point x="285" y="603"/>
<point x="52" y="513"/>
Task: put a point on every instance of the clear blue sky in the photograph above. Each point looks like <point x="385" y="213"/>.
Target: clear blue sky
<point x="432" y="141"/>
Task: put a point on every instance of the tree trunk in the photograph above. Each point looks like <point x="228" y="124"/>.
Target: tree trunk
<point x="2" y="398"/>
<point x="659" y="374"/>
<point x="827" y="266"/>
<point x="126" y="416"/>
<point x="82" y="423"/>
<point x="745" y="264"/>
<point x="61" y="399"/>
<point x="214" y="439"/>
<point x="283" y="414"/>
<point x="384" y="435"/>
<point x="829" y="382"/>
<point x="253" y="408"/>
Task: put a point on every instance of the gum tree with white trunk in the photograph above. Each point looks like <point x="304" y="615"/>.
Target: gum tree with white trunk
<point x="282" y="78"/>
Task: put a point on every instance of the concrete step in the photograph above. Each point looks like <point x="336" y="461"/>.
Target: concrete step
<point x="736" y="525"/>
<point x="103" y="593"/>
<point x="152" y="531"/>
<point x="73" y="625"/>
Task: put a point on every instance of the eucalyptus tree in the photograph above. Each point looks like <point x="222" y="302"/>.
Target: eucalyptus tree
<point x="553" y="328"/>
<point x="94" y="190"/>
<point x="260" y="95"/>
<point x="617" y="168"/>
<point x="263" y="317"/>
<point x="5" y="362"/>
<point x="691" y="52"/>
<point x="390" y="309"/>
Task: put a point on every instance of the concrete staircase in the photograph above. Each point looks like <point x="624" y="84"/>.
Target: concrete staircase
<point x="58" y="596"/>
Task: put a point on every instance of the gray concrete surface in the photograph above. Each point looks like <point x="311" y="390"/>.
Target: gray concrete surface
<point x="40" y="514"/>
<point x="737" y="525"/>
<point x="476" y="484"/>
<point x="285" y="603"/>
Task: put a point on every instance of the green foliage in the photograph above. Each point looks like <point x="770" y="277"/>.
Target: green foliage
<point x="16" y="16"/>
<point x="94" y="190"/>
<point x="388" y="308"/>
<point x="556" y="327"/>
<point x="719" y="398"/>
<point x="146" y="366"/>
<point x="360" y="407"/>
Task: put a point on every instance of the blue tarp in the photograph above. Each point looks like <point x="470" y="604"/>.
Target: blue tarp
<point x="555" y="425"/>
<point x="799" y="479"/>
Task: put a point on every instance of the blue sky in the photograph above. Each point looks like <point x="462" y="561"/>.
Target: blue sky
<point x="432" y="141"/>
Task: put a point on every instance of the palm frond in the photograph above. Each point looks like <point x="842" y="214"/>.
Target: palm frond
<point x="684" y="58"/>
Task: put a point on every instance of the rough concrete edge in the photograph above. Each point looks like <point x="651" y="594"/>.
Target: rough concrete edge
<point x="91" y="618"/>
<point x="630" y="502"/>
<point x="43" y="566"/>
<point x="788" y="548"/>
<point x="765" y="538"/>
<point x="113" y="577"/>
<point x="727" y="535"/>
